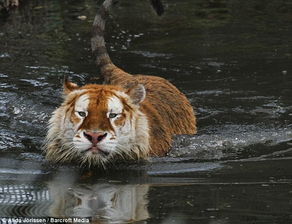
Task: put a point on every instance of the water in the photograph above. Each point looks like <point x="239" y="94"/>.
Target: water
<point x="232" y="60"/>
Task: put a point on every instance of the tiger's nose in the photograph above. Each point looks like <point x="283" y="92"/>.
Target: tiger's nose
<point x="95" y="137"/>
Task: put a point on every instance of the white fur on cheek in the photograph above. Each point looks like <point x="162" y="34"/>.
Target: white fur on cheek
<point x="125" y="134"/>
<point x="108" y="144"/>
<point x="80" y="142"/>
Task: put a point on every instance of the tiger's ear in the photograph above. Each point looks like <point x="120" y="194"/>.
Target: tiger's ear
<point x="137" y="94"/>
<point x="68" y="86"/>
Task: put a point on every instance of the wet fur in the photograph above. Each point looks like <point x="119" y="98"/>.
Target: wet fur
<point x="163" y="112"/>
<point x="167" y="109"/>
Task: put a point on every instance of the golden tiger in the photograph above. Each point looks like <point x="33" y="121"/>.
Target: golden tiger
<point x="127" y="117"/>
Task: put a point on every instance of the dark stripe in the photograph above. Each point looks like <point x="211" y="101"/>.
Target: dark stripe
<point x="103" y="12"/>
<point x="97" y="31"/>
<point x="157" y="6"/>
<point x="100" y="50"/>
<point x="97" y="42"/>
<point x="103" y="61"/>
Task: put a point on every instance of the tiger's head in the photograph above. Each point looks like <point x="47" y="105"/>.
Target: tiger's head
<point x="97" y="123"/>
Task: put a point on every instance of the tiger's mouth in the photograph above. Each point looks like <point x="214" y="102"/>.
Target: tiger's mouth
<point x="95" y="150"/>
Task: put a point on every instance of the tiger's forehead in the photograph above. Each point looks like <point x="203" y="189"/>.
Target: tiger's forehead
<point x="100" y="100"/>
<point x="82" y="103"/>
<point x="114" y="104"/>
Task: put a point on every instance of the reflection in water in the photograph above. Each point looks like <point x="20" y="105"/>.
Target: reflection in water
<point x="99" y="202"/>
<point x="114" y="203"/>
<point x="23" y="200"/>
<point x="21" y="194"/>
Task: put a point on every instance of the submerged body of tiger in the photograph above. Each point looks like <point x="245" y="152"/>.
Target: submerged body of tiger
<point x="131" y="116"/>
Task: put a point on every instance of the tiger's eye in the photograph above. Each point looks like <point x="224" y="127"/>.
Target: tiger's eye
<point x="81" y="114"/>
<point x="112" y="115"/>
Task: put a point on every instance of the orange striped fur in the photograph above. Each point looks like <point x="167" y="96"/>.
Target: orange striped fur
<point x="130" y="116"/>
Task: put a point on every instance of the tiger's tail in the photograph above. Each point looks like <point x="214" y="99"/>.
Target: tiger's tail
<point x="97" y="41"/>
<point x="109" y="71"/>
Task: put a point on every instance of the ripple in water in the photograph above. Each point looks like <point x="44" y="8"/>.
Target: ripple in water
<point x="23" y="200"/>
<point x="231" y="141"/>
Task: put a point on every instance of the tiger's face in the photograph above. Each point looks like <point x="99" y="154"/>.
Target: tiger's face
<point x="96" y="122"/>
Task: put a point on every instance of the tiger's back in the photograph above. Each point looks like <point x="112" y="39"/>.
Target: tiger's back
<point x="131" y="116"/>
<point x="168" y="110"/>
